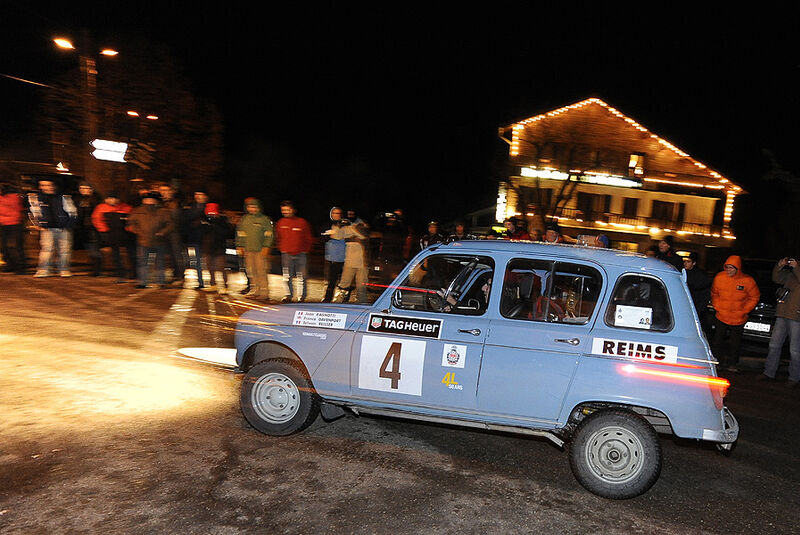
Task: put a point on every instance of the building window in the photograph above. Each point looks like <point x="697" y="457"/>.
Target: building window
<point x="636" y="164"/>
<point x="630" y="207"/>
<point x="591" y="206"/>
<point x="663" y="211"/>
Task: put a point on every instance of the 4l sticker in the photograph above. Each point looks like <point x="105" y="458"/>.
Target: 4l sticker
<point x="449" y="379"/>
<point x="636" y="350"/>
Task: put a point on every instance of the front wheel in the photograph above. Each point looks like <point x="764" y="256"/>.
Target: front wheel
<point x="277" y="398"/>
<point x="615" y="454"/>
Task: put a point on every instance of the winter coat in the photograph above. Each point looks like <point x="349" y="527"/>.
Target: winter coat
<point x="294" y="235"/>
<point x="254" y="231"/>
<point x="150" y="224"/>
<point x="52" y="210"/>
<point x="790" y="279"/>
<point x="354" y="236"/>
<point x="217" y="234"/>
<point x="194" y="217"/>
<point x="734" y="297"/>
<point x="671" y="258"/>
<point x="10" y="209"/>
<point x="334" y="249"/>
<point x="102" y="218"/>
<point x="699" y="284"/>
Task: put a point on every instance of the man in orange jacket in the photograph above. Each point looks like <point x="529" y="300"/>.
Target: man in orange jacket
<point x="733" y="295"/>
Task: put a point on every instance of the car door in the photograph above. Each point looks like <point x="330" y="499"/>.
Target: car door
<point x="423" y="346"/>
<point x="532" y="350"/>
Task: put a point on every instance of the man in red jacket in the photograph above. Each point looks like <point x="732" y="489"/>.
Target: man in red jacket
<point x="294" y="242"/>
<point x="733" y="295"/>
<point x="12" y="235"/>
<point x="110" y="218"/>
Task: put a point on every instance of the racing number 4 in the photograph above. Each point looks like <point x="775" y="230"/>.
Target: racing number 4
<point x="392" y="357"/>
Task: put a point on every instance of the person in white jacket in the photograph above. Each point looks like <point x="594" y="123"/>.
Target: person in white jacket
<point x="355" y="266"/>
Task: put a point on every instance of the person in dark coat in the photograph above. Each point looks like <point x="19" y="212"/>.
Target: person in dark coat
<point x="666" y="252"/>
<point x="215" y="239"/>
<point x="53" y="215"/>
<point x="195" y="226"/>
<point x="86" y="234"/>
<point x="699" y="284"/>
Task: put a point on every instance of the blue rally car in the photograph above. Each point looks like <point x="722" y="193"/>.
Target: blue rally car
<point x="596" y="348"/>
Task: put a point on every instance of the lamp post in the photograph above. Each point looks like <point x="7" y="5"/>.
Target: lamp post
<point x="89" y="81"/>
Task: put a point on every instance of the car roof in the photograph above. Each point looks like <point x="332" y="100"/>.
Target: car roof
<point x="623" y="259"/>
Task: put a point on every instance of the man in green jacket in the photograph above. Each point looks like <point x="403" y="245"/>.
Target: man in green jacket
<point x="254" y="237"/>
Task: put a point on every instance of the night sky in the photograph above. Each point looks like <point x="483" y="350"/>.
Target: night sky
<point x="400" y="106"/>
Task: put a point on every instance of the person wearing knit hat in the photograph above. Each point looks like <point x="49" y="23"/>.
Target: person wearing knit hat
<point x="254" y="237"/>
<point x="666" y="252"/>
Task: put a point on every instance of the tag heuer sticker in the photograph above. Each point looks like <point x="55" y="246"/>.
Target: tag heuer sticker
<point x="454" y="356"/>
<point x="426" y="327"/>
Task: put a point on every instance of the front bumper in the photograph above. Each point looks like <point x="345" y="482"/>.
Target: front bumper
<point x="728" y="434"/>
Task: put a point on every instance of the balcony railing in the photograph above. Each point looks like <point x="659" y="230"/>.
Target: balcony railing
<point x="619" y="222"/>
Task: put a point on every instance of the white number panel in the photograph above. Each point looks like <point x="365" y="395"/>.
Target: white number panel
<point x="391" y="365"/>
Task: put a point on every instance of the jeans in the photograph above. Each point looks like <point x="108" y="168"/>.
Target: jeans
<point x="50" y="240"/>
<point x="198" y="262"/>
<point x="784" y="328"/>
<point x="143" y="263"/>
<point x="334" y="273"/>
<point x="294" y="272"/>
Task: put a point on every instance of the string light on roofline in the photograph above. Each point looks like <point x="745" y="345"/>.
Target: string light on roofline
<point x="519" y="126"/>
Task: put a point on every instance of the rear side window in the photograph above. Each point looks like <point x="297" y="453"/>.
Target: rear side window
<point x="639" y="302"/>
<point x="555" y="292"/>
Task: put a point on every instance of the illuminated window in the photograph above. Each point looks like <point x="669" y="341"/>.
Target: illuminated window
<point x="636" y="164"/>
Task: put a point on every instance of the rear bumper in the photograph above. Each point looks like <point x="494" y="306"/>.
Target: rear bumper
<point x="727" y="435"/>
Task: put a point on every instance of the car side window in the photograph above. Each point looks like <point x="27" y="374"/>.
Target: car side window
<point x="639" y="302"/>
<point x="556" y="292"/>
<point x="452" y="284"/>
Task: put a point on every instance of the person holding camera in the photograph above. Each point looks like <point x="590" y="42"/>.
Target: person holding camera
<point x="787" y="321"/>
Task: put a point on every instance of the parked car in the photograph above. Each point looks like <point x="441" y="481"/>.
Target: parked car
<point x="596" y="349"/>
<point x="761" y="320"/>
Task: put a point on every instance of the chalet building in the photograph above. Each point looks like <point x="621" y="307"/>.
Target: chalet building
<point x="596" y="171"/>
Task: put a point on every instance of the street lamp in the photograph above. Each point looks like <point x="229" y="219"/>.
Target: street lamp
<point x="89" y="70"/>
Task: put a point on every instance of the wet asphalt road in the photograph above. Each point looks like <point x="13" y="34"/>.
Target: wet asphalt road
<point x="104" y="429"/>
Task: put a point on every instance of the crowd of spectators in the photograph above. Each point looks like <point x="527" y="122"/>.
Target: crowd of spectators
<point x="157" y="237"/>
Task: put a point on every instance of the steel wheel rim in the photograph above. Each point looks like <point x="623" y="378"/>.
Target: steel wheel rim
<point x="614" y="454"/>
<point x="275" y="398"/>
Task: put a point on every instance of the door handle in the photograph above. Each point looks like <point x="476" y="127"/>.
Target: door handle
<point x="570" y="341"/>
<point x="473" y="332"/>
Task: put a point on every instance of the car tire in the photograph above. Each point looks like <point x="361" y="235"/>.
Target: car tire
<point x="615" y="454"/>
<point x="277" y="398"/>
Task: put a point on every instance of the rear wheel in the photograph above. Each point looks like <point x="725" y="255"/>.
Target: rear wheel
<point x="278" y="398"/>
<point x="615" y="454"/>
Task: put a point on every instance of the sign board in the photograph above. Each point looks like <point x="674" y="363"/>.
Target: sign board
<point x="111" y="151"/>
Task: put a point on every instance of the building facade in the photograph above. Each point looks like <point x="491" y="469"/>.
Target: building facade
<point x="596" y="171"/>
